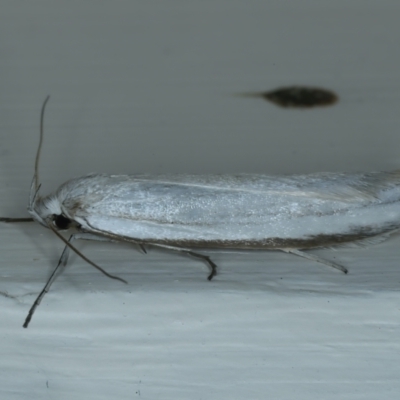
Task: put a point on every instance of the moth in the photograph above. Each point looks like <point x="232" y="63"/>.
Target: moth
<point x="185" y="213"/>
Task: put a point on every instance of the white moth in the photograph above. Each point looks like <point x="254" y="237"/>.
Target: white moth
<point x="185" y="212"/>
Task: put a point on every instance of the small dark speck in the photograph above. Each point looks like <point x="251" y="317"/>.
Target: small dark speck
<point x="299" y="97"/>
<point x="47" y="384"/>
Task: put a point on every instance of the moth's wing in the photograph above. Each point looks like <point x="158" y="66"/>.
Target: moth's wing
<point x="347" y="188"/>
<point x="237" y="208"/>
<point x="344" y="187"/>
<point x="367" y="241"/>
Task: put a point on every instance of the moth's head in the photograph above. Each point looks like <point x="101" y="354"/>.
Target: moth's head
<point x="47" y="210"/>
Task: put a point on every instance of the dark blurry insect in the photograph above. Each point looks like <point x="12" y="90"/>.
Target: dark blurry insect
<point x="299" y="97"/>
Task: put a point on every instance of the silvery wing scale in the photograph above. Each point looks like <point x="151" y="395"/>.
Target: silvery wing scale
<point x="229" y="211"/>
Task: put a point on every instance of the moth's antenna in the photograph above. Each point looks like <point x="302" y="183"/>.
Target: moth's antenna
<point x="36" y="176"/>
<point x="35" y="186"/>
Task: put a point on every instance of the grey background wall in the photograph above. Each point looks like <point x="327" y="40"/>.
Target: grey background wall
<point x="152" y="86"/>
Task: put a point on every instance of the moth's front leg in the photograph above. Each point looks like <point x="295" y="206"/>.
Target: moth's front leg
<point x="62" y="262"/>
<point x="83" y="236"/>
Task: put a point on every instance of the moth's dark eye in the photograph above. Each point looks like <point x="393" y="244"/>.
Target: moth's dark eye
<point x="61" y="222"/>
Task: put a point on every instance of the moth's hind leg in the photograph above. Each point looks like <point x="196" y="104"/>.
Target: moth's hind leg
<point x="189" y="252"/>
<point x="315" y="258"/>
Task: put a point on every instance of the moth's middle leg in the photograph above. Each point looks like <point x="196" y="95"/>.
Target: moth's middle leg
<point x="189" y="252"/>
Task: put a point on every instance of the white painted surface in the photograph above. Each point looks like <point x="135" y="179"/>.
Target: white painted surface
<point x="149" y="87"/>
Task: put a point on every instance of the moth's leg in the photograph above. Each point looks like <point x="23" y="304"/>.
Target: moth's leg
<point x="62" y="262"/>
<point x="142" y="243"/>
<point x="313" y="257"/>
<point x="207" y="259"/>
<point x="11" y="220"/>
<point x="91" y="236"/>
<point x="83" y="236"/>
<point x="189" y="252"/>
